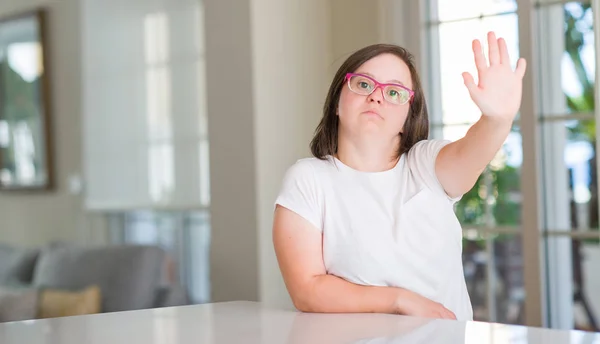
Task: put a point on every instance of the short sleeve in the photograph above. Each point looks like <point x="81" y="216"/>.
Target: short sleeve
<point x="421" y="160"/>
<point x="300" y="193"/>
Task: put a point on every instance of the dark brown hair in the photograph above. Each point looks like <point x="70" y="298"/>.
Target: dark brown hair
<point x="416" y="127"/>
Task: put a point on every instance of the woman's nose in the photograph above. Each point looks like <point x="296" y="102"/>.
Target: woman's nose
<point x="376" y="96"/>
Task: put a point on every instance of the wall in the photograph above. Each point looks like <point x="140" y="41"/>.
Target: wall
<point x="234" y="244"/>
<point x="34" y="219"/>
<point x="354" y="24"/>
<point x="292" y="58"/>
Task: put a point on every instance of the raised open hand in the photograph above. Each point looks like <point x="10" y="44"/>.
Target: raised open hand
<point x="499" y="88"/>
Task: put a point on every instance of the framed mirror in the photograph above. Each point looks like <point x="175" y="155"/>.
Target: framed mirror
<point x="25" y="142"/>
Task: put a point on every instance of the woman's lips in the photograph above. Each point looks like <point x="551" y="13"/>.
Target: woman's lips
<point x="372" y="113"/>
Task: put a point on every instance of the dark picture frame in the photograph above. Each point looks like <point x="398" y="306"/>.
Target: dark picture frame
<point x="25" y="111"/>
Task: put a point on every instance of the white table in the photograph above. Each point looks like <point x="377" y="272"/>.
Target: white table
<point x="249" y="322"/>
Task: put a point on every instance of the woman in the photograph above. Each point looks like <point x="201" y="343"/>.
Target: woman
<point x="367" y="225"/>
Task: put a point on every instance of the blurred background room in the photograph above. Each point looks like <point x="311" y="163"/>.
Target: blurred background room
<point x="143" y="142"/>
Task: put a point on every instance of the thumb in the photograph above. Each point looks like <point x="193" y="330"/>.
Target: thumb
<point x="471" y="85"/>
<point x="521" y="67"/>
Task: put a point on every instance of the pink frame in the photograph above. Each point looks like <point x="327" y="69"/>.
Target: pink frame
<point x="378" y="84"/>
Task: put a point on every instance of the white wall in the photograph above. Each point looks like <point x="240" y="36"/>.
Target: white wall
<point x="234" y="244"/>
<point x="354" y="24"/>
<point x="291" y="60"/>
<point x="35" y="218"/>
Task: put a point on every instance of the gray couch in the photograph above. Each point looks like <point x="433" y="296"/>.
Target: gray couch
<point x="130" y="277"/>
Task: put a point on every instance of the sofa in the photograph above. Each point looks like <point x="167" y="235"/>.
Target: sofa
<point x="66" y="279"/>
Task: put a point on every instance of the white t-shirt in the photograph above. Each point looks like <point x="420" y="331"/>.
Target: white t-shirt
<point x="393" y="228"/>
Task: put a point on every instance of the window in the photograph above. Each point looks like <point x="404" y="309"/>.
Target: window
<point x="563" y="95"/>
<point x="569" y="179"/>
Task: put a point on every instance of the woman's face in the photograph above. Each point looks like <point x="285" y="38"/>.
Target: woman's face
<point x="372" y="115"/>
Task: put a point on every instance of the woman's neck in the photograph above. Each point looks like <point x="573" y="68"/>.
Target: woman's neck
<point x="368" y="155"/>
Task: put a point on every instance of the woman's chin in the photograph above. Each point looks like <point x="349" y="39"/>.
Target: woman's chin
<point x="373" y="130"/>
<point x="372" y="124"/>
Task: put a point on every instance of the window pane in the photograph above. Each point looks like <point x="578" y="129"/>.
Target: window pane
<point x="569" y="175"/>
<point x="185" y="236"/>
<point x="568" y="67"/>
<point x="509" y="287"/>
<point x="197" y="248"/>
<point x="454" y="44"/>
<point x="460" y="9"/>
<point x="574" y="279"/>
<point x="474" y="264"/>
<point x="150" y="228"/>
<point x="494" y="264"/>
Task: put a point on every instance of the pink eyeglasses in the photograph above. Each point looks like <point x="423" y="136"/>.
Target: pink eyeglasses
<point x="365" y="85"/>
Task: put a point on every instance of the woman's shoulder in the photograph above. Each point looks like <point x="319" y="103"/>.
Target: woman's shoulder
<point x="428" y="144"/>
<point x="301" y="192"/>
<point x="421" y="161"/>
<point x="425" y="150"/>
<point x="309" y="166"/>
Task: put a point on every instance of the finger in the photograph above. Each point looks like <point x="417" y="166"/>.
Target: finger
<point x="470" y="84"/>
<point x="493" y="51"/>
<point x="479" y="57"/>
<point x="438" y="314"/>
<point x="521" y="67"/>
<point x="504" y="58"/>
<point x="469" y="81"/>
<point x="447" y="314"/>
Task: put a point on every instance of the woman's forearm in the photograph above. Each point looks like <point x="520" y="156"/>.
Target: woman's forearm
<point x="460" y="163"/>
<point x="331" y="294"/>
<point x="481" y="143"/>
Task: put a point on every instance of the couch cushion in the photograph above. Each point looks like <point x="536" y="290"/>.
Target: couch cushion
<point x="59" y="303"/>
<point x="18" y="304"/>
<point x="127" y="275"/>
<point x="16" y="264"/>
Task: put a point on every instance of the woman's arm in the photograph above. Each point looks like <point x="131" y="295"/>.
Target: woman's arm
<point x="298" y="246"/>
<point x="498" y="96"/>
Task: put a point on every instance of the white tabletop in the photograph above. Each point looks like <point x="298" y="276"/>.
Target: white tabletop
<point x="249" y="322"/>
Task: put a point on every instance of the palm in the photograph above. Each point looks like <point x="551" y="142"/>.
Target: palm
<point x="498" y="93"/>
